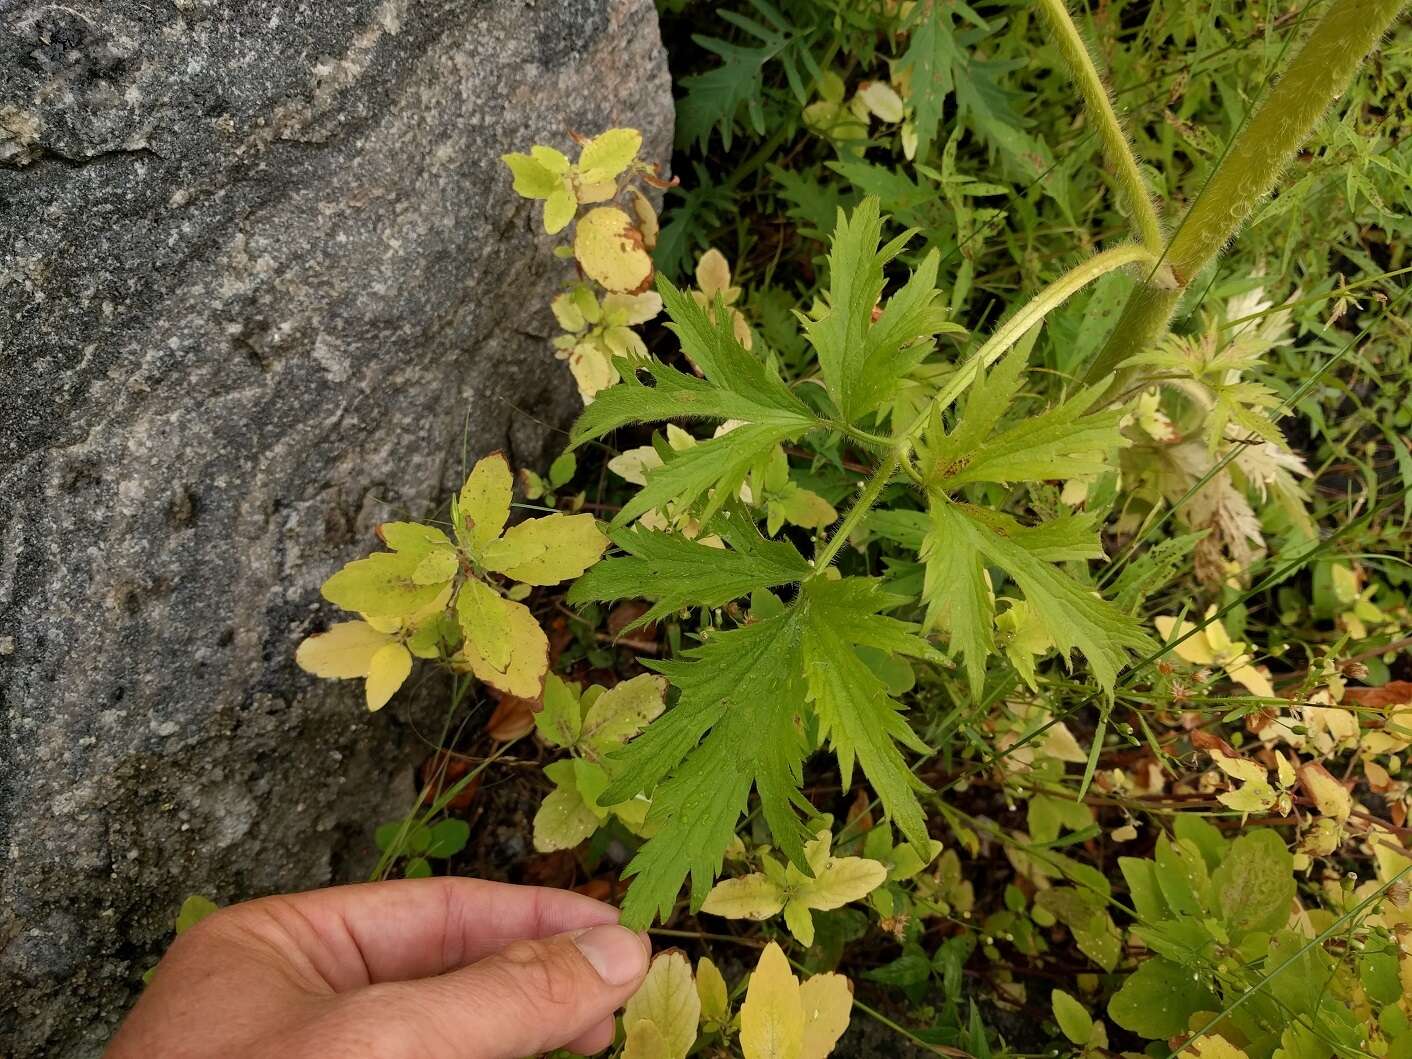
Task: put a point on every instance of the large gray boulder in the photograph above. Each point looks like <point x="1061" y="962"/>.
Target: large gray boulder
<point x="263" y="283"/>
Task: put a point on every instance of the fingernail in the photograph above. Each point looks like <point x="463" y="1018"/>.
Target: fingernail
<point x="615" y="952"/>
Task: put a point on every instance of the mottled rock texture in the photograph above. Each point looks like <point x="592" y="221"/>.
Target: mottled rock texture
<point x="263" y="283"/>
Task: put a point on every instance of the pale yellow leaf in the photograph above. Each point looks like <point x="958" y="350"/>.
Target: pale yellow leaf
<point x="545" y="551"/>
<point x="386" y="672"/>
<point x="484" y="503"/>
<point x="345" y="651"/>
<point x="647" y="222"/>
<point x="1254" y="797"/>
<point x="1254" y="680"/>
<point x="412" y="537"/>
<point x="634" y="464"/>
<point x="713" y="274"/>
<point x="1216" y="636"/>
<point x="1329" y="796"/>
<point x="1239" y="768"/>
<point x="599" y="192"/>
<point x="567" y="312"/>
<point x="749" y="897"/>
<point x="841" y="880"/>
<point x="523" y="675"/>
<point x="667" y="998"/>
<point x="610" y="250"/>
<point x="1060" y="744"/>
<point x="1284" y="770"/>
<point x="485" y="622"/>
<point x="828" y="1002"/>
<point x="772" y="1016"/>
<point x="711" y="990"/>
<point x="882" y="101"/>
<point x="592" y="368"/>
<point x="632" y="308"/>
<point x="1194" y="649"/>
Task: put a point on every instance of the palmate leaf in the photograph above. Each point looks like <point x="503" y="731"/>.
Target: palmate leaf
<point x="736" y="725"/>
<point x="712" y="100"/>
<point x="856" y="713"/>
<point x="964" y="540"/>
<point x="863" y="361"/>
<point x="718" y="466"/>
<point x="674" y="572"/>
<point x="745" y="696"/>
<point x="942" y="59"/>
<point x="736" y="386"/>
<point x="1066" y="441"/>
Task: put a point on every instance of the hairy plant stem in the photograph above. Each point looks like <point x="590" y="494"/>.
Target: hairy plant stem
<point x="1141" y="211"/>
<point x="1032" y="312"/>
<point x="1247" y="172"/>
<point x="900" y="454"/>
<point x="825" y="555"/>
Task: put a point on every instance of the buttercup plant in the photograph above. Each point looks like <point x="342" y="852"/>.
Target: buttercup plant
<point x="757" y="698"/>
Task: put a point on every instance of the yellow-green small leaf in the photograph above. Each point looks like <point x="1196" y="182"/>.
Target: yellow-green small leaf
<point x="523" y="675"/>
<point x="751" y="896"/>
<point x="712" y="991"/>
<point x="611" y="251"/>
<point x="807" y="509"/>
<point x="667" y="999"/>
<point x="606" y="155"/>
<point x="1213" y="1046"/>
<point x="194" y="909"/>
<point x="345" y="651"/>
<point x="600" y="192"/>
<point x="828" y="1003"/>
<point x="386" y="672"/>
<point x="559" y="719"/>
<point x="532" y="180"/>
<point x="622" y="711"/>
<point x="1073" y="1017"/>
<point x="800" y="922"/>
<point x="554" y="161"/>
<point x="563" y="821"/>
<point x="412" y="537"/>
<point x="437" y="567"/>
<point x="381" y="585"/>
<point x="545" y="551"/>
<point x="484" y="504"/>
<point x="772" y="1016"/>
<point x="644" y="1041"/>
<point x="485" y="622"/>
<point x="559" y="208"/>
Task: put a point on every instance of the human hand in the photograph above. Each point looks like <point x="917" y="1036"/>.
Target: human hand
<point x="443" y="968"/>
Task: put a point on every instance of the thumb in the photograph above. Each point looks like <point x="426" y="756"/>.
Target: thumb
<point x="534" y="996"/>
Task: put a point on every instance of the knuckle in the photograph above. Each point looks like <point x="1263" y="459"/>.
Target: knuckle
<point x="545" y="973"/>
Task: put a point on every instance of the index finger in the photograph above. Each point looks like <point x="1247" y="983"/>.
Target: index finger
<point x="414" y="928"/>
